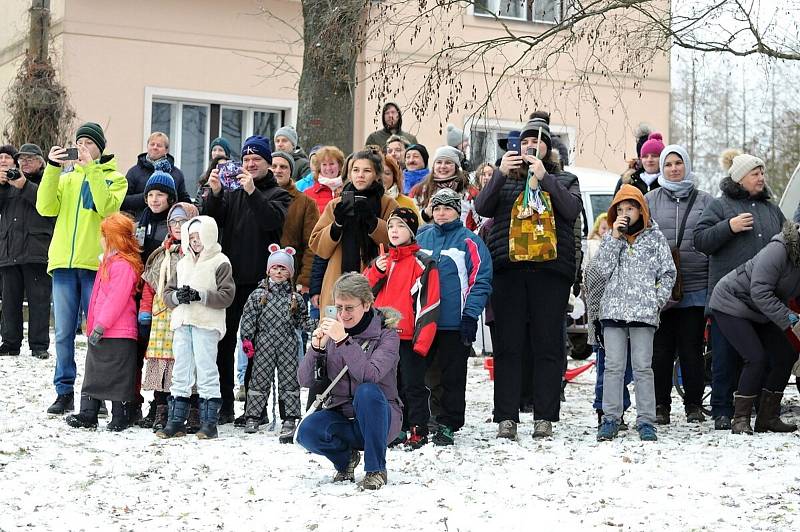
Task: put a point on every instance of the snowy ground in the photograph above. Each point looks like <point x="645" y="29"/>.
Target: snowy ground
<point x="55" y="477"/>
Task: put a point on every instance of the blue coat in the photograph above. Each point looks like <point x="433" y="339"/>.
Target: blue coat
<point x="465" y="271"/>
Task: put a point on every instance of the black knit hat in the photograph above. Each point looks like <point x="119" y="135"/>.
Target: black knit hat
<point x="408" y="217"/>
<point x="539" y="119"/>
<point x="9" y="149"/>
<point x="423" y="151"/>
<point x="93" y="132"/>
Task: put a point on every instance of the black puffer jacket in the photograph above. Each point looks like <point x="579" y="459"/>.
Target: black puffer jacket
<point x="498" y="197"/>
<point x="250" y="223"/>
<point x="24" y="234"/>
<point x="137" y="177"/>
<point x="727" y="250"/>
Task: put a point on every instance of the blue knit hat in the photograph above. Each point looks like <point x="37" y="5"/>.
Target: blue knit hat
<point x="257" y="145"/>
<point x="222" y="143"/>
<point x="160" y="180"/>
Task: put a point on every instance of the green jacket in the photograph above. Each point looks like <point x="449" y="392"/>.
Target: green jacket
<point x="80" y="199"/>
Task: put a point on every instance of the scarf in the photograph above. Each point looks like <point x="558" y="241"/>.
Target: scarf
<point x="362" y="324"/>
<point x="679" y="189"/>
<point x="332" y="183"/>
<point x="634" y="230"/>
<point x="357" y="246"/>
<point x="412" y="177"/>
<point x="392" y="192"/>
<point x="649" y="178"/>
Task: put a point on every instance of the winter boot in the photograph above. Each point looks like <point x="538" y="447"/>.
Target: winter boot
<point x="694" y="414"/>
<point x="417" y="437"/>
<point x="193" y="423"/>
<point x="103" y="412"/>
<point x="162" y="417"/>
<point x="87" y="417"/>
<point x="209" y="416"/>
<point x="178" y="412"/>
<point x="444" y="436"/>
<point x="65" y="402"/>
<point x="41" y="355"/>
<point x="120" y="416"/>
<point x="251" y="425"/>
<point x="147" y="421"/>
<point x="287" y="431"/>
<point x="722" y="423"/>
<point x="768" y="417"/>
<point x="542" y="428"/>
<point x="742" y="410"/>
<point x="662" y="414"/>
<point x="349" y="472"/>
<point x="135" y="412"/>
<point x="6" y="351"/>
<point x="374" y="480"/>
<point x="507" y="429"/>
<point x="225" y="414"/>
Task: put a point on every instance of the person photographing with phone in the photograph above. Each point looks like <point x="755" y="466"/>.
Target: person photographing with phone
<point x="363" y="411"/>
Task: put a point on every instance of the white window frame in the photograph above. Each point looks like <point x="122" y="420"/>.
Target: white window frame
<point x="494" y="7"/>
<point x="494" y="125"/>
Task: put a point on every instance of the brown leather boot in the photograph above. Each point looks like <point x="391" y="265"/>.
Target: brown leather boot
<point x="769" y="409"/>
<point x="742" y="410"/>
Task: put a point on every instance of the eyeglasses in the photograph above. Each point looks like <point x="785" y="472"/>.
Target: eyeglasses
<point x="26" y="158"/>
<point x="346" y="308"/>
<point x="177" y="223"/>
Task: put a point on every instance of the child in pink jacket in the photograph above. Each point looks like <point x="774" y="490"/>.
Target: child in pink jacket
<point x="111" y="355"/>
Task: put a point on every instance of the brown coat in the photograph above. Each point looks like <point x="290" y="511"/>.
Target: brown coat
<point x="323" y="245"/>
<point x="301" y="217"/>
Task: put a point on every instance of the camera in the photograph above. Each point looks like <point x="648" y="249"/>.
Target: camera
<point x="12" y="174"/>
<point x="624" y="229"/>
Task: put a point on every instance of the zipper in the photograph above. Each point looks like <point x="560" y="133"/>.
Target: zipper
<point x="75" y="229"/>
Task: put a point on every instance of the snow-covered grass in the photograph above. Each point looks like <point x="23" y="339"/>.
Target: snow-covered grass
<point x="55" y="477"/>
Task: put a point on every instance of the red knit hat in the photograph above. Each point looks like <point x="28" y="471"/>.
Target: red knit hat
<point x="654" y="145"/>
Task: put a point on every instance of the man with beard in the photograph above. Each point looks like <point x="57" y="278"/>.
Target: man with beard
<point x="392" y="125"/>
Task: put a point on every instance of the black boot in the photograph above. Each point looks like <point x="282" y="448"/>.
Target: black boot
<point x="64" y="403"/>
<point x="135" y="412"/>
<point x="87" y="417"/>
<point x="742" y="410"/>
<point x="178" y="412"/>
<point x="768" y="417"/>
<point x="209" y="416"/>
<point x="193" y="422"/>
<point x="120" y="416"/>
<point x="662" y="414"/>
<point x="148" y="420"/>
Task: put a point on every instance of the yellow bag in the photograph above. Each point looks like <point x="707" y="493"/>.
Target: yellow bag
<point x="532" y="238"/>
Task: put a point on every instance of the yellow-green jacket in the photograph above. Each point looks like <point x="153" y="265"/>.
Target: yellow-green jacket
<point x="80" y="199"/>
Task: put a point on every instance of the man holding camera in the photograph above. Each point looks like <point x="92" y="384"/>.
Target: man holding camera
<point x="252" y="218"/>
<point x="24" y="238"/>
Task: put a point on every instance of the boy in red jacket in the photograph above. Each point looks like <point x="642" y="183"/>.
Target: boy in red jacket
<point x="407" y="279"/>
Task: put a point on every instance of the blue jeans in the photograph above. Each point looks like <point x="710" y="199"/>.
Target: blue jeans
<point x="330" y="434"/>
<point x="241" y="362"/>
<point x="724" y="372"/>
<point x="598" y="386"/>
<point x="72" y="289"/>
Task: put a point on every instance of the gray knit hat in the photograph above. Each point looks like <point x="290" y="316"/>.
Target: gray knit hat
<point x="742" y="165"/>
<point x="289" y="132"/>
<point x="284" y="155"/>
<point x="455" y="136"/>
<point x="281" y="257"/>
<point x="448" y="153"/>
<point x="447" y="197"/>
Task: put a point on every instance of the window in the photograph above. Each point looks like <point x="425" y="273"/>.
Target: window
<point x="191" y="125"/>
<point x="547" y="11"/>
<point x="485" y="149"/>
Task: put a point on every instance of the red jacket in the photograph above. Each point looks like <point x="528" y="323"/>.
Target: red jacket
<point x="320" y="194"/>
<point x="113" y="303"/>
<point x="411" y="286"/>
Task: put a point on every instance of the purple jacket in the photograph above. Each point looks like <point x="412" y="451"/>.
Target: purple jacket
<point x="378" y="364"/>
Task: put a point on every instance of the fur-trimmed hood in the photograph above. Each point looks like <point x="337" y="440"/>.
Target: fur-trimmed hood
<point x="736" y="191"/>
<point x="791" y="239"/>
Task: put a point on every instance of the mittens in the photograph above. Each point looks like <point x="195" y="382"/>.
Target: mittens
<point x="248" y="347"/>
<point x="469" y="329"/>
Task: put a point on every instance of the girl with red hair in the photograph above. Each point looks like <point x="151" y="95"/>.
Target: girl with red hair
<point x="111" y="355"/>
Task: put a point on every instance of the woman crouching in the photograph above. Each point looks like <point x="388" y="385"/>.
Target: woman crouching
<point x="363" y="410"/>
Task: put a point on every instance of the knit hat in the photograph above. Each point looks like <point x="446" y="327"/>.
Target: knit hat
<point x="184" y="210"/>
<point x="93" y="132"/>
<point x="408" y="218"/>
<point x="29" y="149"/>
<point x="538" y="120"/>
<point x="448" y="153"/>
<point x="222" y="143"/>
<point x="281" y="257"/>
<point x="314" y="150"/>
<point x="163" y="182"/>
<point x="653" y="146"/>
<point x="289" y="132"/>
<point x="454" y="136"/>
<point x="742" y="165"/>
<point x="423" y="151"/>
<point x="257" y="145"/>
<point x="642" y="134"/>
<point x="10" y="150"/>
<point x="447" y="197"/>
<point x="284" y="155"/>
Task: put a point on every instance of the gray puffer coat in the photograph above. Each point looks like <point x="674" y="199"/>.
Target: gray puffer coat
<point x="760" y="289"/>
<point x="668" y="211"/>
<point x="639" y="276"/>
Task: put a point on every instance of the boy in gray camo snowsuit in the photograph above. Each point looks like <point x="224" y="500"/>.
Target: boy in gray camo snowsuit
<point x="636" y="263"/>
<point x="271" y="315"/>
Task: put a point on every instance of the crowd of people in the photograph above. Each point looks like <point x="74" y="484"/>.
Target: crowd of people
<point x="364" y="277"/>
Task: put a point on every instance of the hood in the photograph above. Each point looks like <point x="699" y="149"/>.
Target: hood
<point x="299" y="154"/>
<point x="190" y="208"/>
<point x="790" y="238"/>
<point x="382" y="318"/>
<point x="629" y="192"/>
<point x="736" y="191"/>
<point x="209" y="235"/>
<point x="399" y="115"/>
<point x="142" y="161"/>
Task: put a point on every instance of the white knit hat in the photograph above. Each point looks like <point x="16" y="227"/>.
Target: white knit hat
<point x="742" y="165"/>
<point x="448" y="153"/>
<point x="454" y="136"/>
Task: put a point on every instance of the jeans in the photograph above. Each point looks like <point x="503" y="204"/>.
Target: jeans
<point x="328" y="433"/>
<point x="72" y="289"/>
<point x="725" y="366"/>
<point x="641" y="353"/>
<point x="29" y="280"/>
<point x="598" y="385"/>
<point x="195" y="351"/>
<point x="241" y="362"/>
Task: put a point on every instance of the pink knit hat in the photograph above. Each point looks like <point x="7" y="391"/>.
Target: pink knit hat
<point x="654" y="145"/>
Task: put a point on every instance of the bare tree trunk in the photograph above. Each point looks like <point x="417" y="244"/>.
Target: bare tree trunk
<point x="692" y="111"/>
<point x="39" y="30"/>
<point x="333" y="37"/>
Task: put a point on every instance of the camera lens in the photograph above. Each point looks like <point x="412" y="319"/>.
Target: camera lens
<point x="13" y="174"/>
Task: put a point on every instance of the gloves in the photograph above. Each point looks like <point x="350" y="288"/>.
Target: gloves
<point x="576" y="289"/>
<point x="793" y="319"/>
<point x="194" y="295"/>
<point x="340" y="214"/>
<point x="96" y="335"/>
<point x="364" y="213"/>
<point x="248" y="347"/>
<point x="145" y="318"/>
<point x="183" y="295"/>
<point x="469" y="329"/>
